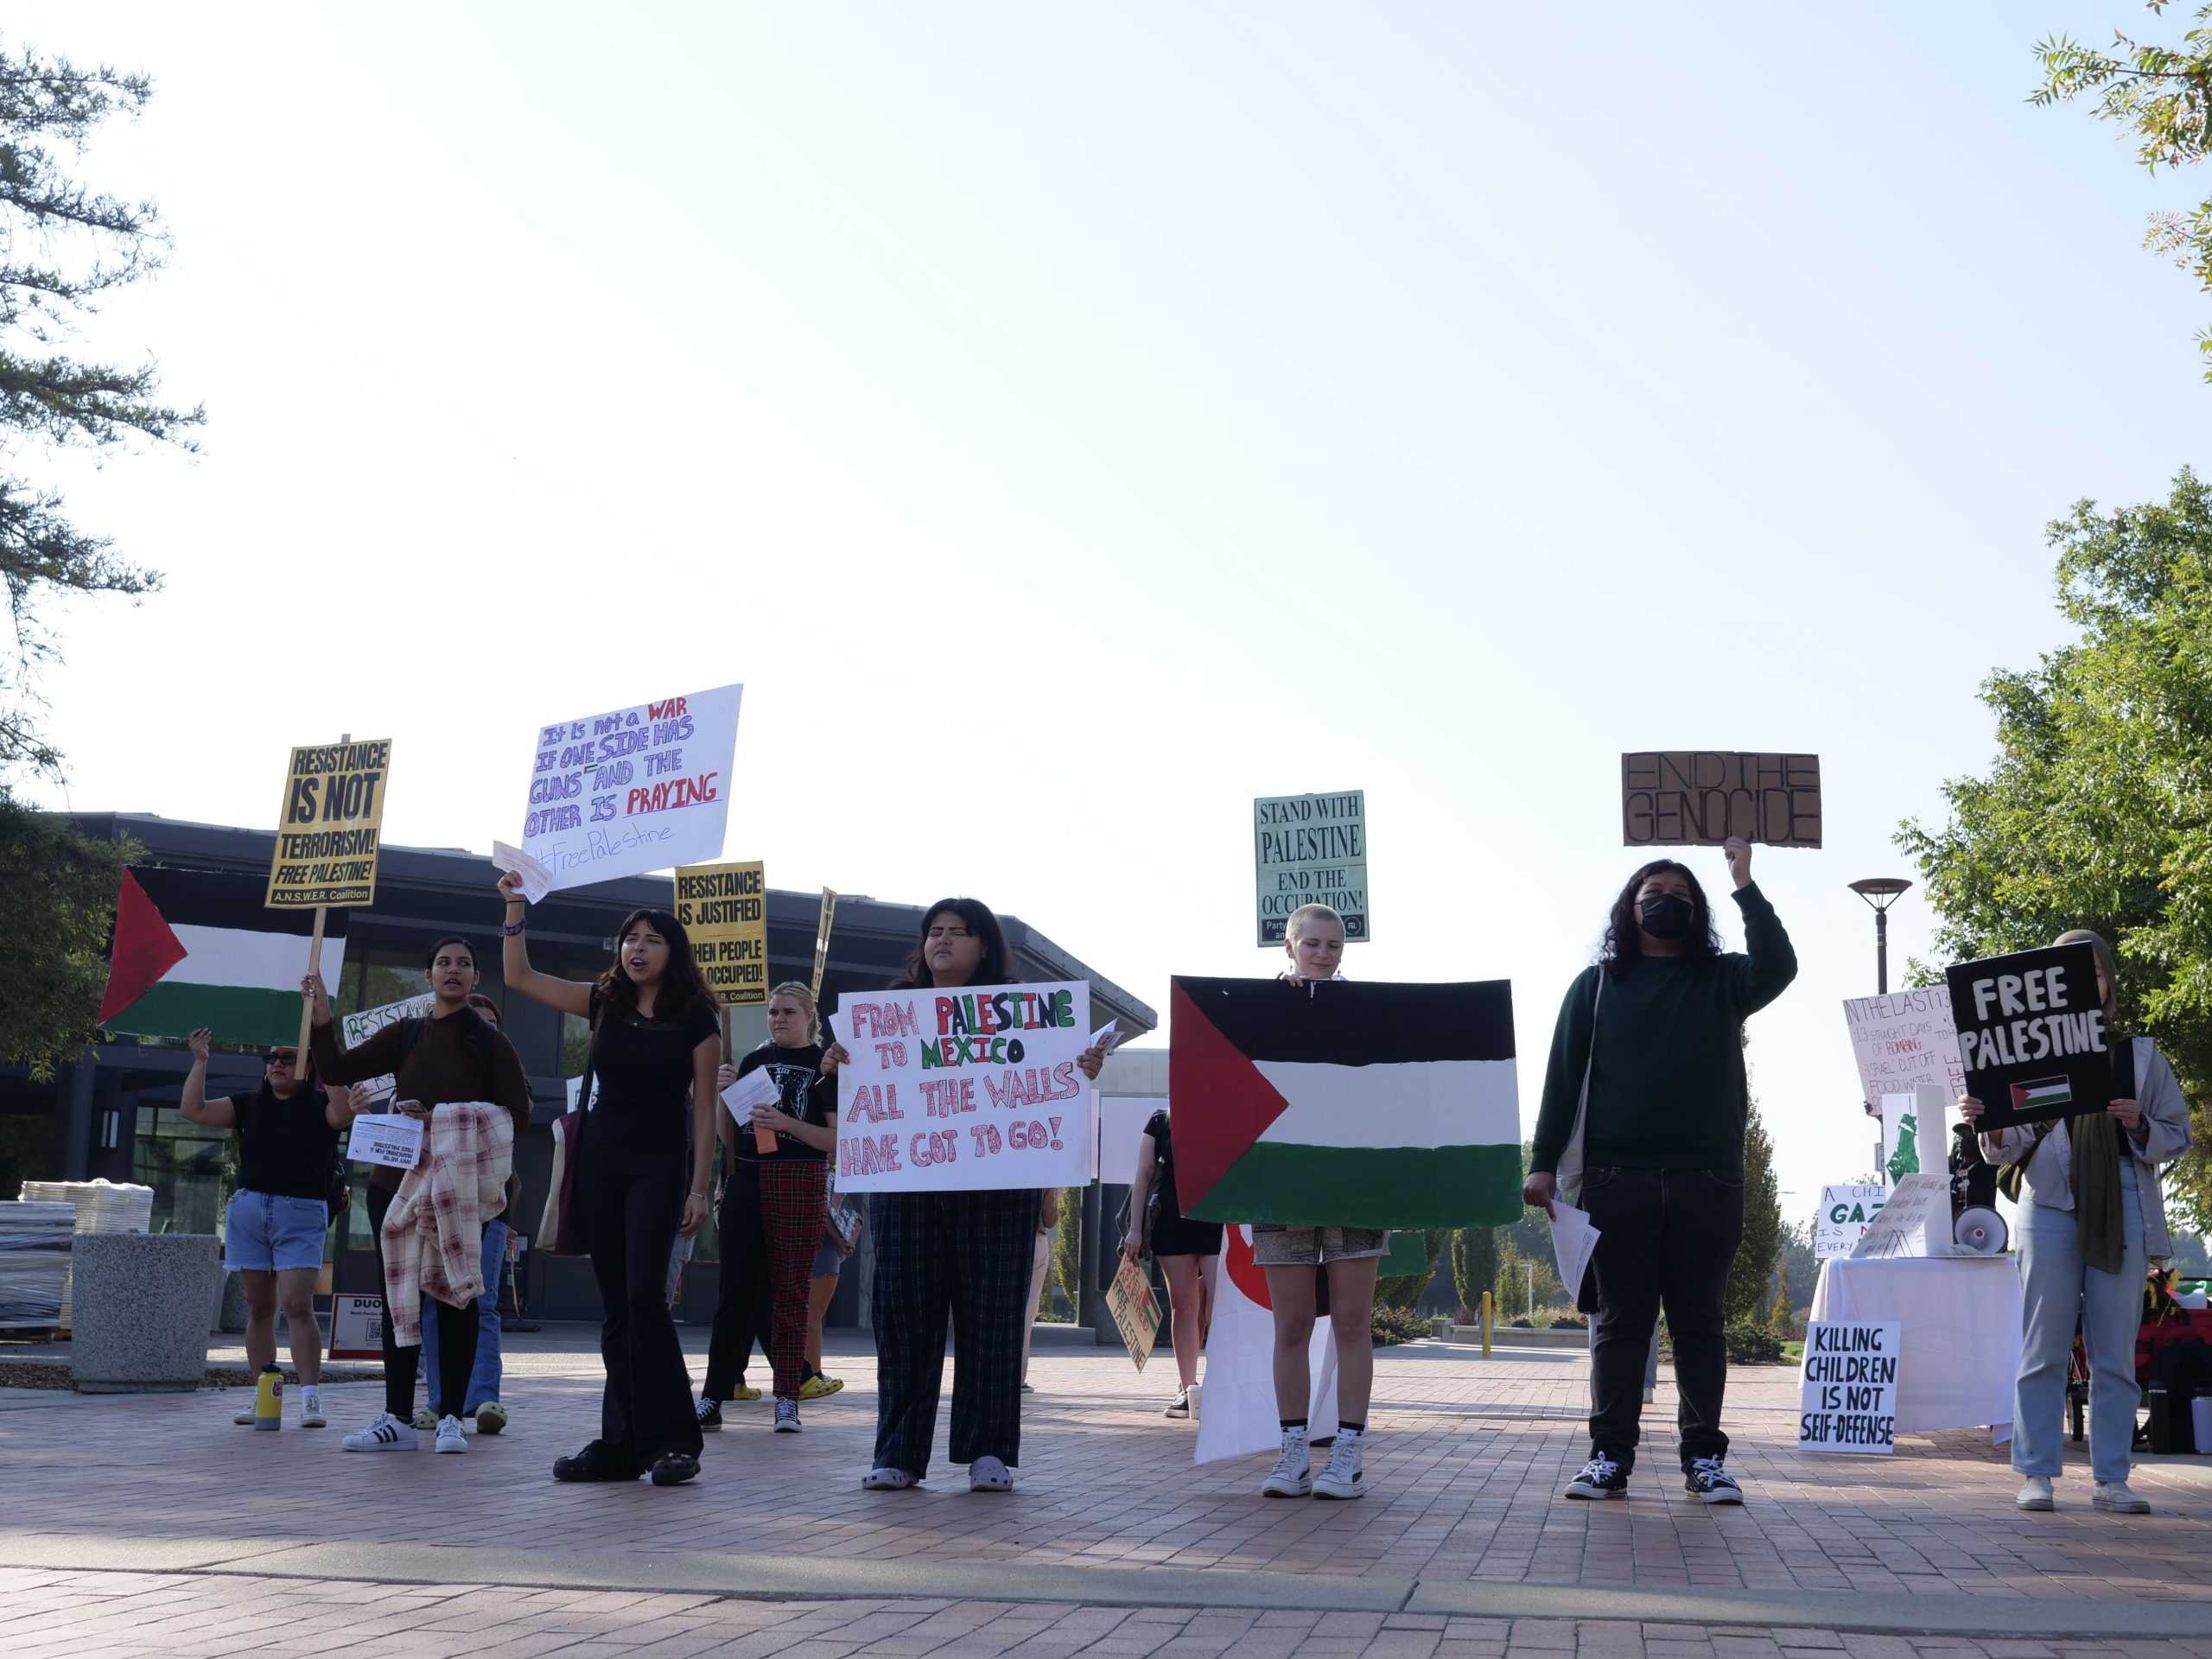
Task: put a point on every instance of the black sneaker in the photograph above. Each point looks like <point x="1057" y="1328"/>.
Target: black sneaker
<point x="1600" y="1478"/>
<point x="1707" y="1480"/>
<point x="597" y="1461"/>
<point x="710" y="1414"/>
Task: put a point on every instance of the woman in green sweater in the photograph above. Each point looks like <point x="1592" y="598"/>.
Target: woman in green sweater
<point x="1642" y="1124"/>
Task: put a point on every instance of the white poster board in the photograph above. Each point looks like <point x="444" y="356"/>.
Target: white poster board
<point x="1122" y="1119"/>
<point x="626" y="791"/>
<point x="1846" y="1210"/>
<point x="358" y="1028"/>
<point x="962" y="1091"/>
<point x="1905" y="1038"/>
<point x="1916" y="1221"/>
<point x="390" y="1138"/>
<point x="1847" y="1389"/>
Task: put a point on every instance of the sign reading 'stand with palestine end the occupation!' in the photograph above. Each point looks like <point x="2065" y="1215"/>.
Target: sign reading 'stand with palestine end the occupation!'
<point x="1312" y="849"/>
<point x="1699" y="798"/>
<point x="330" y="827"/>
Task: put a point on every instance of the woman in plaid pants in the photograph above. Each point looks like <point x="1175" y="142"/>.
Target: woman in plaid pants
<point x="965" y="1255"/>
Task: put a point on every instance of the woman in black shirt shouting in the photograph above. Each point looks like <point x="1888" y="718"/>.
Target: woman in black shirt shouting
<point x="654" y="1042"/>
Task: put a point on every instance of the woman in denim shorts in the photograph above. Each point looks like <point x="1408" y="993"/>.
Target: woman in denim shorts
<point x="1348" y="1257"/>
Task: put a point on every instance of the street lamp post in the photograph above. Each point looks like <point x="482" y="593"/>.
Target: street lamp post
<point x="1881" y="891"/>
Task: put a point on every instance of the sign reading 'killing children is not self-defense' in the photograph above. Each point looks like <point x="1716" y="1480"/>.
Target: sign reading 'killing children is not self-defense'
<point x="1699" y="798"/>
<point x="2031" y="1035"/>
<point x="1847" y="1389"/>
<point x="1312" y="849"/>
<point x="330" y="827"/>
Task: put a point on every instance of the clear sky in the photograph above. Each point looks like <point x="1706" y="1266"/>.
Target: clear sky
<point x="1070" y="422"/>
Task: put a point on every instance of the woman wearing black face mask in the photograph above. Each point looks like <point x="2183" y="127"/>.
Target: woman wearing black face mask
<point x="1642" y="1124"/>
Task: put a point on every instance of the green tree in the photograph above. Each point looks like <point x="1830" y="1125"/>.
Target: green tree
<point x="2161" y="98"/>
<point x="57" y="893"/>
<point x="1517" y="1273"/>
<point x="1749" y="1276"/>
<point x="1782" y="1319"/>
<point x="1065" y="1268"/>
<point x="1474" y="1264"/>
<point x="2097" y="811"/>
<point x="1795" y="1264"/>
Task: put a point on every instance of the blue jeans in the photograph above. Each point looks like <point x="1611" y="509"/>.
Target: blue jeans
<point x="2059" y="1290"/>
<point x="484" y="1381"/>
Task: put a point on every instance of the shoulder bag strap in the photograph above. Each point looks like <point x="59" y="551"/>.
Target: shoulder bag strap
<point x="591" y="1062"/>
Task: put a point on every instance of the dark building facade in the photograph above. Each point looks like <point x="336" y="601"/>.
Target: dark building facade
<point x="113" y="1112"/>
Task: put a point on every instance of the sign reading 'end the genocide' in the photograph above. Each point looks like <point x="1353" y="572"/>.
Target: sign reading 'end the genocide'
<point x="1699" y="798"/>
<point x="724" y="907"/>
<point x="1312" y="849"/>
<point x="330" y="826"/>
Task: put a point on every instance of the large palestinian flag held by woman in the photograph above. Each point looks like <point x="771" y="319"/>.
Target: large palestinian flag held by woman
<point x="1345" y="1103"/>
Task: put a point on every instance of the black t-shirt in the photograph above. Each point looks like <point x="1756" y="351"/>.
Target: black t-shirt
<point x="1164" y="1149"/>
<point x="797" y="1073"/>
<point x="641" y="1094"/>
<point x="286" y="1147"/>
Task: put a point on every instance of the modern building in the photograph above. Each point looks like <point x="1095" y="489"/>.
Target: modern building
<point x="113" y="1112"/>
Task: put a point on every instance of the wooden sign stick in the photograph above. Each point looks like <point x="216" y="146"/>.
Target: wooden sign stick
<point x="315" y="967"/>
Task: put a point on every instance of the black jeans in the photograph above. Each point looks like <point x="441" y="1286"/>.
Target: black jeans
<point x="631" y="1203"/>
<point x="741" y="1306"/>
<point x="457" y="1332"/>
<point x="1665" y="1236"/>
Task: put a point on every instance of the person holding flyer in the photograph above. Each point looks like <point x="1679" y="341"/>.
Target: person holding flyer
<point x="656" y="1039"/>
<point x="965" y="1255"/>
<point x="772" y="1209"/>
<point x="1644" y="1109"/>
<point x="2092" y="1214"/>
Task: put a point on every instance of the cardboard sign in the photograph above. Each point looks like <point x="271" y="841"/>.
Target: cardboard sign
<point x="963" y="1091"/>
<point x="358" y="1028"/>
<point x="724" y="907"/>
<point x="1903" y="1039"/>
<point x="1847" y="1389"/>
<point x="330" y="826"/>
<point x="628" y="791"/>
<point x="1916" y="1221"/>
<point x="1699" y="798"/>
<point x="1846" y="1210"/>
<point x="1312" y="849"/>
<point x="356" y="1327"/>
<point x="1136" y="1311"/>
<point x="2031" y="1035"/>
<point x="390" y="1138"/>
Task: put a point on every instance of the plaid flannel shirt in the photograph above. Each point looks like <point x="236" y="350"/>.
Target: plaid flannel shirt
<point x="434" y="1233"/>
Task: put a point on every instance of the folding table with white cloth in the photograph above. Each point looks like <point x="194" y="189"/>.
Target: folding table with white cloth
<point x="1960" y="1319"/>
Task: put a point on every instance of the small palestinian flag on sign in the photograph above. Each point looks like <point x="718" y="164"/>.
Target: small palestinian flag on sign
<point x="197" y="948"/>
<point x="1345" y="1104"/>
<point x="2042" y="1094"/>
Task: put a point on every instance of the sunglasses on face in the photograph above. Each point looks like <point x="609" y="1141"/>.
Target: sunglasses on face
<point x="281" y="1056"/>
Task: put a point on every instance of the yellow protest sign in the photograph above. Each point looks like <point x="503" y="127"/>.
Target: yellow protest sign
<point x="330" y="826"/>
<point x="724" y="907"/>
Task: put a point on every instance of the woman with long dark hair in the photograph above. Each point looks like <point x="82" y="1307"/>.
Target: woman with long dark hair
<point x="961" y="1254"/>
<point x="2092" y="1214"/>
<point x="656" y="1039"/>
<point x="1643" y="1122"/>
<point x="451" y="1057"/>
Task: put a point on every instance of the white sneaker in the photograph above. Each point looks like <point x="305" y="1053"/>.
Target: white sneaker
<point x="311" y="1409"/>
<point x="386" y="1434"/>
<point x="2036" y="1494"/>
<point x="2115" y="1495"/>
<point x="1341" y="1478"/>
<point x="1293" y="1475"/>
<point x="243" y="1417"/>
<point x="450" y="1439"/>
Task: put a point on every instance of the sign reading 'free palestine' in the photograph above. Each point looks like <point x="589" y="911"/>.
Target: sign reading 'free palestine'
<point x="1311" y="849"/>
<point x="2031" y="1035"/>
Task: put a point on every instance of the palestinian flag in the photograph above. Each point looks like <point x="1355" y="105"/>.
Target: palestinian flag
<point x="2042" y="1095"/>
<point x="198" y="948"/>
<point x="1356" y="1105"/>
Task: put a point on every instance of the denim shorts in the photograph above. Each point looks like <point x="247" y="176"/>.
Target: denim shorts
<point x="266" y="1234"/>
<point x="1299" y="1247"/>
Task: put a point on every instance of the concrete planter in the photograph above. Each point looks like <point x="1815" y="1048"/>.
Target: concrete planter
<point x="141" y="1304"/>
<point x="230" y="1312"/>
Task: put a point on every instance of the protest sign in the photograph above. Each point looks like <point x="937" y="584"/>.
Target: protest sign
<point x="1312" y="849"/>
<point x="391" y="1139"/>
<point x="626" y="791"/>
<point x="1122" y="1119"/>
<point x="356" y="1327"/>
<point x="358" y="1028"/>
<point x="1136" y="1311"/>
<point x="2031" y="1035"/>
<point x="1699" y="798"/>
<point x="821" y="939"/>
<point x="724" y="907"/>
<point x="1847" y="1389"/>
<point x="1916" y="1221"/>
<point x="1900" y="1135"/>
<point x="1905" y="1038"/>
<point x="330" y="826"/>
<point x="1846" y="1210"/>
<point x="965" y="1090"/>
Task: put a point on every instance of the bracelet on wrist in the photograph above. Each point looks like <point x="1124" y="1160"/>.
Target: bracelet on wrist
<point x="511" y="929"/>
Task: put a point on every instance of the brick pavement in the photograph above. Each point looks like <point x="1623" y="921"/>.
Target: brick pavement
<point x="1466" y="1461"/>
